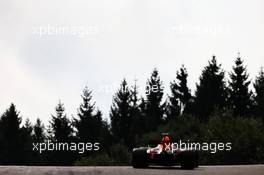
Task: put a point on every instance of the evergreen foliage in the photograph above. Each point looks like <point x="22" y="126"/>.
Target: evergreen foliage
<point x="215" y="113"/>
<point x="179" y="101"/>
<point x="154" y="108"/>
<point x="259" y="97"/>
<point x="211" y="90"/>
<point x="240" y="96"/>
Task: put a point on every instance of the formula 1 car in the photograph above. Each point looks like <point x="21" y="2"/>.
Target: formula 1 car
<point x="164" y="154"/>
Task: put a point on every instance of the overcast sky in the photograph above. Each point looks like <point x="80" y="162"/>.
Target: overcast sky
<point x="52" y="49"/>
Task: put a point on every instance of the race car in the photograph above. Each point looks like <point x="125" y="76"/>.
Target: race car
<point x="164" y="154"/>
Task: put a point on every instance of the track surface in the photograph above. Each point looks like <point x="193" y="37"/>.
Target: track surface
<point x="124" y="170"/>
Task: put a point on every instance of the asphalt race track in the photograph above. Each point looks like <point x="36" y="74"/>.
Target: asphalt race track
<point x="125" y="170"/>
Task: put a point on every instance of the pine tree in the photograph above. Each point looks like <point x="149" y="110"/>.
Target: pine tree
<point x="38" y="132"/>
<point x="60" y="125"/>
<point x="259" y="90"/>
<point x="154" y="106"/>
<point x="240" y="96"/>
<point x="28" y="126"/>
<point x="120" y="114"/>
<point x="85" y="114"/>
<point x="89" y="124"/>
<point x="211" y="90"/>
<point x="137" y="121"/>
<point x="38" y="137"/>
<point x="11" y="147"/>
<point x="180" y="95"/>
<point x="61" y="132"/>
<point x="103" y="133"/>
<point x="26" y="134"/>
<point x="142" y="109"/>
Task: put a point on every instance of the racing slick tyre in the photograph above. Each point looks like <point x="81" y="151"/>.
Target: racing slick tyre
<point x="139" y="159"/>
<point x="188" y="160"/>
<point x="196" y="159"/>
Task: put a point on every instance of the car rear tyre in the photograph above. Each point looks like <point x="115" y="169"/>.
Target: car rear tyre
<point x="196" y="159"/>
<point x="188" y="160"/>
<point x="139" y="159"/>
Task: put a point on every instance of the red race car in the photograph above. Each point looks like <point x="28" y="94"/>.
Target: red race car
<point x="164" y="154"/>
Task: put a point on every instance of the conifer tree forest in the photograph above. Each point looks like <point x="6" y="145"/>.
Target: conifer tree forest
<point x="224" y="106"/>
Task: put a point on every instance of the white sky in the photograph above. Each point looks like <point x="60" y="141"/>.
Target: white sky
<point x="98" y="43"/>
